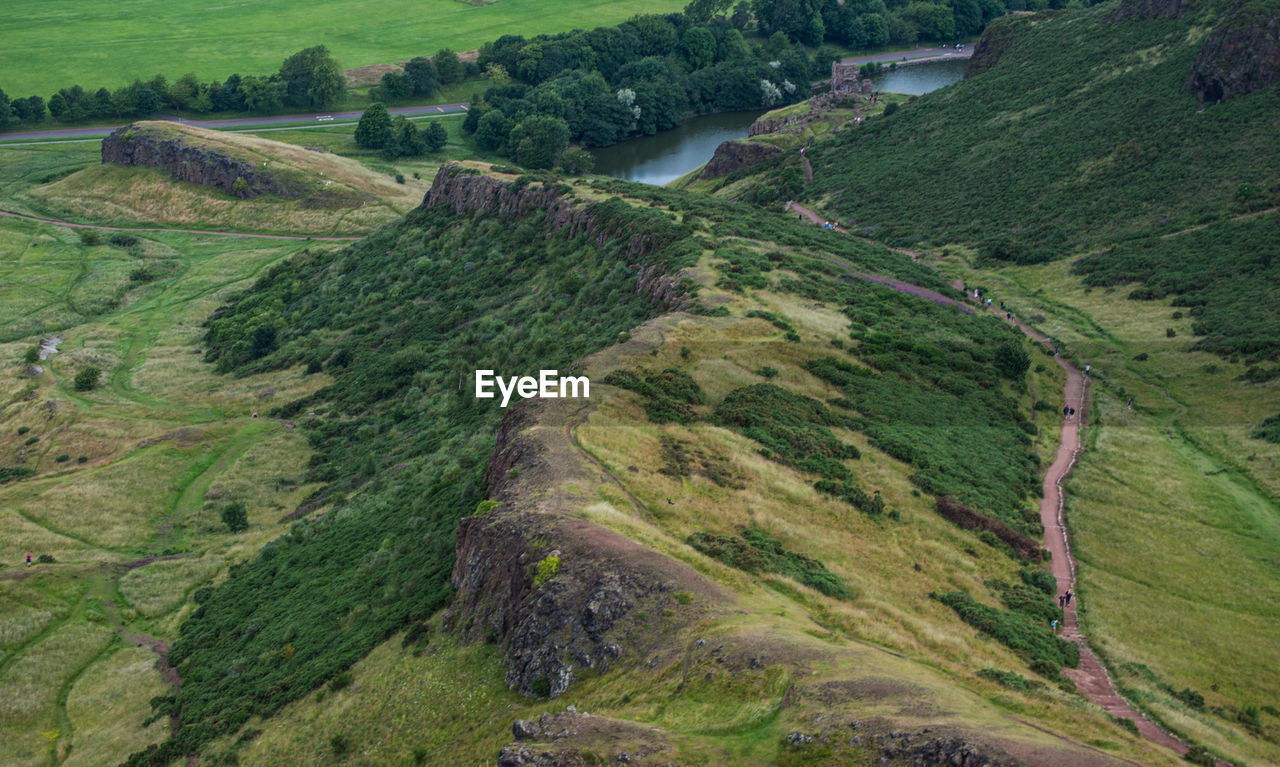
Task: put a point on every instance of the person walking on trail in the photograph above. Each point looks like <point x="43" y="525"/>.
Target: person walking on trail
<point x="28" y="560"/>
<point x="1068" y="596"/>
<point x="1055" y="625"/>
<point x="1130" y="405"/>
<point x="1062" y="601"/>
<point x="1066" y="411"/>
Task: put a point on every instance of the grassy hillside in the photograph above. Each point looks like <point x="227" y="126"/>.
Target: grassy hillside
<point x="128" y="479"/>
<point x="1083" y="133"/>
<point x="56" y="44"/>
<point x="401" y="450"/>
<point x="338" y="195"/>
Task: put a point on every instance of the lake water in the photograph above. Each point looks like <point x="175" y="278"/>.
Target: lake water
<point x="666" y="156"/>
<point x="919" y="79"/>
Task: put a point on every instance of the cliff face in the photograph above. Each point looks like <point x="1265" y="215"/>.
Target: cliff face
<point x="1240" y="56"/>
<point x="1141" y="10"/>
<point x="132" y="145"/>
<point x="468" y="193"/>
<point x="735" y="155"/>
<point x="991" y="46"/>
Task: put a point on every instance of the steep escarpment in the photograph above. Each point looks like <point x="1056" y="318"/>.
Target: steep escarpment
<point x="399" y="322"/>
<point x="736" y="155"/>
<point x="156" y="147"/>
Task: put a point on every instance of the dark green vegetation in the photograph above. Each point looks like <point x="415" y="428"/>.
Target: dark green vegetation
<point x="794" y="429"/>
<point x="1082" y="133"/>
<point x="600" y="86"/>
<point x="1225" y="273"/>
<point x="929" y="392"/>
<point x="1010" y="679"/>
<point x="1268" y="430"/>
<point x="1024" y="628"/>
<point x="669" y="396"/>
<point x="397" y="320"/>
<point x="397" y="137"/>
<point x="756" y="552"/>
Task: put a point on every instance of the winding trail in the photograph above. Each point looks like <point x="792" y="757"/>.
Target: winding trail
<point x="1090" y="677"/>
<point x="73" y="225"/>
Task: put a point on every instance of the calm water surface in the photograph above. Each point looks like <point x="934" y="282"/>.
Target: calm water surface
<point x="664" y="157"/>
<point x="919" y="79"/>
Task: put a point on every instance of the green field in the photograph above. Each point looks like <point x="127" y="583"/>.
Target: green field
<point x="151" y="455"/>
<point x="56" y="44"/>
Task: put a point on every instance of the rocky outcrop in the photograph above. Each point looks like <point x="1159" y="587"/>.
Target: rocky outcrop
<point x="1142" y="10"/>
<point x="1240" y="56"/>
<point x="921" y="747"/>
<point x="735" y="155"/>
<point x="199" y="164"/>
<point x="468" y="192"/>
<point x="570" y="739"/>
<point x="557" y="592"/>
<point x="991" y="46"/>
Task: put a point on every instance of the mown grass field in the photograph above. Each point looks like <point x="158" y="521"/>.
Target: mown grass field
<point x="1173" y="509"/>
<point x="57" y="44"/>
<point x="151" y="456"/>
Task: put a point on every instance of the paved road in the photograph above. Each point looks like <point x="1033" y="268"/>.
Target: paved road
<point x="241" y="123"/>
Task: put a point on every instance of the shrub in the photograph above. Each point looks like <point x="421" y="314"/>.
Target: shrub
<point x="767" y="372"/>
<point x="1012" y="360"/>
<point x="754" y="551"/>
<point x="89" y="237"/>
<point x="1268" y="430"/>
<point x="965" y="517"/>
<point x="1040" y="579"/>
<point x="23" y="430"/>
<point x="12" y="473"/>
<point x="340" y="681"/>
<point x="669" y="395"/>
<point x="340" y="744"/>
<point x="890" y="108"/>
<point x="82" y="459"/>
<point x="46" y="559"/>
<point x="87" y="379"/>
<point x="399" y="178"/>
<point x="31" y="356"/>
<point x="547" y="569"/>
<point x="31" y="441"/>
<point x="1011" y="680"/>
<point x="235" y="517"/>
<point x="62" y="458"/>
<point x="1141" y="357"/>
<point x="122" y="239"/>
<point x="1198" y="754"/>
<point x="1170" y="333"/>
<point x="1029" y="638"/>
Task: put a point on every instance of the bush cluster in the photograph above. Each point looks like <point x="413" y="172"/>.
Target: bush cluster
<point x="754" y="551"/>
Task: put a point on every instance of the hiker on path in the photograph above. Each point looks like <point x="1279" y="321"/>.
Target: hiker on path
<point x="1068" y="596"/>
<point x="1055" y="625"/>
<point x="28" y="560"/>
<point x="1066" y="411"/>
<point x="1002" y="306"/>
<point x="1130" y="406"/>
<point x="1062" y="601"/>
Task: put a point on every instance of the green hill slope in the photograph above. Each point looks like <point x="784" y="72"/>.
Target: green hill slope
<point x="1081" y="131"/>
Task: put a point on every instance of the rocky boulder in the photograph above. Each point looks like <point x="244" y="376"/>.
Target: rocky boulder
<point x="1241" y="56"/>
<point x="735" y="155"/>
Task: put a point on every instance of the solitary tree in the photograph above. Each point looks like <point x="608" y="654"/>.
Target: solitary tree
<point x="374" y="129"/>
<point x="435" y="137"/>
<point x="312" y="78"/>
<point x="448" y="67"/>
<point x="235" y="517"/>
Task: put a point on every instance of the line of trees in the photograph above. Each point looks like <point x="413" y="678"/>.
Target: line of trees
<point x="309" y="79"/>
<point x="397" y="137"/>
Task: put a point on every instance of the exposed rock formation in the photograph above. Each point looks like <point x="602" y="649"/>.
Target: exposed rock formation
<point x="468" y="193"/>
<point x="553" y="620"/>
<point x="991" y="46"/>
<point x="570" y="739"/>
<point x="151" y="147"/>
<point x="735" y="155"/>
<point x="1241" y="56"/>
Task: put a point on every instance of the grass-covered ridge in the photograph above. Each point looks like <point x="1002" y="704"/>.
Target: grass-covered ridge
<point x="399" y="321"/>
<point x="330" y="194"/>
